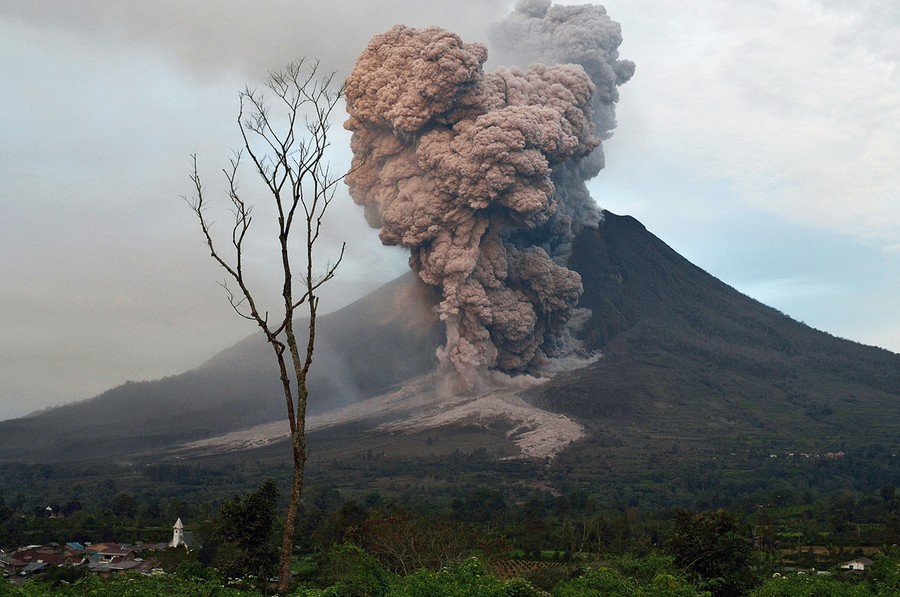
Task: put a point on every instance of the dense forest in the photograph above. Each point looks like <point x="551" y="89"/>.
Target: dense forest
<point x="494" y="541"/>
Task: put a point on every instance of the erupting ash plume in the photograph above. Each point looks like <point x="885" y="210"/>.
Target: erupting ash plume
<point x="482" y="175"/>
<point x="579" y="34"/>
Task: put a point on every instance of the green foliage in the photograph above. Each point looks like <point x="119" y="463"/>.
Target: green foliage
<point x="312" y="592"/>
<point x="884" y="575"/>
<point x="483" y="505"/>
<point x="195" y="571"/>
<point x="645" y="569"/>
<point x="468" y="578"/>
<point x="127" y="586"/>
<point x="546" y="578"/>
<point x="606" y="582"/>
<point x="350" y="572"/>
<point x="244" y="531"/>
<point x="715" y="547"/>
<point x="124" y="506"/>
<point x="411" y="530"/>
<point x="596" y="583"/>
<point x="806" y="585"/>
<point x="354" y="572"/>
<point x="57" y="576"/>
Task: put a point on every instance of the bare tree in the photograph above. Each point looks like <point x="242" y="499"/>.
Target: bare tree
<point x="289" y="157"/>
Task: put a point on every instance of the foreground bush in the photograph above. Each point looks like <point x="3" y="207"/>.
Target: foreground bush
<point x="606" y="582"/>
<point x="354" y="573"/>
<point x="466" y="579"/>
<point x="806" y="585"/>
<point x="348" y="571"/>
<point x="127" y="586"/>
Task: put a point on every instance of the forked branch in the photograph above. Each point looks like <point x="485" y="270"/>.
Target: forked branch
<point x="288" y="152"/>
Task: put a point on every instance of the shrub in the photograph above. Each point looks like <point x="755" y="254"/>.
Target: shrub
<point x="354" y="572"/>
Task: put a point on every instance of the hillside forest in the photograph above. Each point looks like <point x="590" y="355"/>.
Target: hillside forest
<point x="429" y="538"/>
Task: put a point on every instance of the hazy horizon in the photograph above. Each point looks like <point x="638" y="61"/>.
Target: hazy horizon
<point x="760" y="142"/>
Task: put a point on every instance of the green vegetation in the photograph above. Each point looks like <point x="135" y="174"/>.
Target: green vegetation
<point x="714" y="548"/>
<point x="350" y="572"/>
<point x="566" y="545"/>
<point x="242" y="543"/>
<point x="129" y="586"/>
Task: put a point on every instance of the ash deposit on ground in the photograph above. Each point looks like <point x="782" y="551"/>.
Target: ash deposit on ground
<point x="416" y="407"/>
<point x="481" y="175"/>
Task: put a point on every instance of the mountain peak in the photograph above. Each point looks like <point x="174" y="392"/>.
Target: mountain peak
<point x="678" y="347"/>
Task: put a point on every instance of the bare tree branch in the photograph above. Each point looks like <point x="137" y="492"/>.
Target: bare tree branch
<point x="292" y="165"/>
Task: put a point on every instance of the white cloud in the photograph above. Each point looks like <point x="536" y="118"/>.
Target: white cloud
<point x="790" y="101"/>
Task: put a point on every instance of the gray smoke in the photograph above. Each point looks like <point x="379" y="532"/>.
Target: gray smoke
<point x="482" y="175"/>
<point x="581" y="34"/>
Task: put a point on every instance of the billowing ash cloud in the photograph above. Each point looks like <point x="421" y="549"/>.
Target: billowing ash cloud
<point x="482" y="177"/>
<point x="579" y="34"/>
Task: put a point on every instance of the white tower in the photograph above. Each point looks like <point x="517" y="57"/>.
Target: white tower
<point x="178" y="535"/>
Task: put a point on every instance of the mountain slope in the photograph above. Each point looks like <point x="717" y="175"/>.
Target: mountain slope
<point x="686" y="355"/>
<point x="690" y="366"/>
<point x="364" y="348"/>
<point x="687" y="360"/>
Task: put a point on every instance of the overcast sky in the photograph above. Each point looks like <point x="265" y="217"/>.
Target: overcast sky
<point x="760" y="139"/>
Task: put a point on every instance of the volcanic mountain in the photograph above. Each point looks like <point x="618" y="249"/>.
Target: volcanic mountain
<point x="364" y="348"/>
<point x="685" y="360"/>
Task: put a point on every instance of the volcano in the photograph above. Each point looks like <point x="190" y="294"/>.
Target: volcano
<point x="682" y="361"/>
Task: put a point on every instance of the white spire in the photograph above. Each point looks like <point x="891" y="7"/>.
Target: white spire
<point x="178" y="535"/>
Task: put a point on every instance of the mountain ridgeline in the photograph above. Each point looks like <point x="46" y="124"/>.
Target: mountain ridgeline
<point x="669" y="330"/>
<point x="364" y="348"/>
<point x="686" y="358"/>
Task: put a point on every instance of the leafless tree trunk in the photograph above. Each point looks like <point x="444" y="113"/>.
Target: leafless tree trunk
<point x="289" y="157"/>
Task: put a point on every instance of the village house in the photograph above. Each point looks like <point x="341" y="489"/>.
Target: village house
<point x="857" y="565"/>
<point x="121" y="567"/>
<point x="10" y="565"/>
<point x="104" y="559"/>
<point x="39" y="554"/>
<point x="109" y="553"/>
<point x="34" y="558"/>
